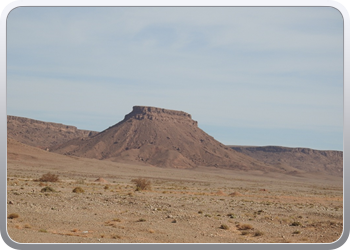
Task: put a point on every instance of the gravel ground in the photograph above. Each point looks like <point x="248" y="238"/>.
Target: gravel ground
<point x="192" y="206"/>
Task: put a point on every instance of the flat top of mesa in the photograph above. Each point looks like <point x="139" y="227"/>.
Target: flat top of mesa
<point x="155" y="110"/>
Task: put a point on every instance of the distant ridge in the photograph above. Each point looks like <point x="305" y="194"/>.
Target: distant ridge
<point x="42" y="134"/>
<point x="303" y="159"/>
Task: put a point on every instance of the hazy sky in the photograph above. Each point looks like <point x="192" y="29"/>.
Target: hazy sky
<point x="248" y="75"/>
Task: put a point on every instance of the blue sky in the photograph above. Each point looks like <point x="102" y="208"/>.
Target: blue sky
<point x="249" y="76"/>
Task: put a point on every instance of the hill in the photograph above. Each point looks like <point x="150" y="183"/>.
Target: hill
<point x="302" y="159"/>
<point x="42" y="134"/>
<point x="162" y="138"/>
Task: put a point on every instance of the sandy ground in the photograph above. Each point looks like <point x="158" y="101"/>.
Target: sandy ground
<point x="205" y="205"/>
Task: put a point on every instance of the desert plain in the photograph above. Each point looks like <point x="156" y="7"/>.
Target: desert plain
<point x="182" y="205"/>
<point x="202" y="204"/>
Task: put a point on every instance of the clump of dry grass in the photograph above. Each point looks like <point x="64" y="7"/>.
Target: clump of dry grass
<point x="295" y="224"/>
<point x="78" y="190"/>
<point x="47" y="189"/>
<point x="142" y="184"/>
<point x="244" y="226"/>
<point x="49" y="177"/>
<point x="224" y="226"/>
<point x="258" y="233"/>
<point x="13" y="216"/>
<point x="231" y="215"/>
<point x="109" y="223"/>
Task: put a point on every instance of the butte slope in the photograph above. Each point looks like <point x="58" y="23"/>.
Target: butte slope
<point x="159" y="137"/>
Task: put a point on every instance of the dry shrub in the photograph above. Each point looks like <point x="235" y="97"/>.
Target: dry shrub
<point x="225" y="227"/>
<point x="47" y="189"/>
<point x="295" y="224"/>
<point x="109" y="223"/>
<point x="245" y="232"/>
<point x="78" y="190"/>
<point x="49" y="177"/>
<point x="244" y="226"/>
<point x="13" y="216"/>
<point x="142" y="184"/>
<point x="258" y="233"/>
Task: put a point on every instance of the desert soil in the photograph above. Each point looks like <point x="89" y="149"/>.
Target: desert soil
<point x="206" y="205"/>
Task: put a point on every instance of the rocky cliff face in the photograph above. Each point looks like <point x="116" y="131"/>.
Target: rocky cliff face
<point x="42" y="134"/>
<point x="141" y="112"/>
